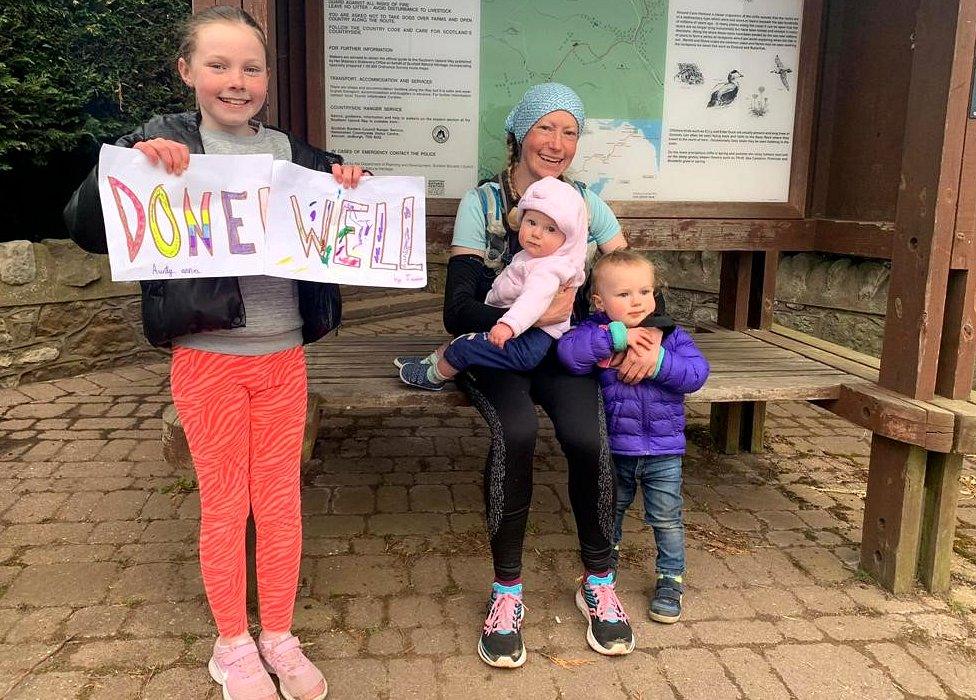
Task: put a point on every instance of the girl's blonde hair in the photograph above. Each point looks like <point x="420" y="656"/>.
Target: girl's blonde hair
<point x="617" y="258"/>
<point x="219" y="13"/>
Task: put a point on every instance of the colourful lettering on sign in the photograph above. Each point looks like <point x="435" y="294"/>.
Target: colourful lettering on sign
<point x="379" y="240"/>
<point x="309" y="238"/>
<point x="169" y="249"/>
<point x="234" y="223"/>
<point x="133" y="241"/>
<point x="406" y="235"/>
<point x="345" y="234"/>
<point x="194" y="230"/>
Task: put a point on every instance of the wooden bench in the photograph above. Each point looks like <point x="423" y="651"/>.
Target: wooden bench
<point x="359" y="373"/>
<point x="915" y="508"/>
<point x="779" y="364"/>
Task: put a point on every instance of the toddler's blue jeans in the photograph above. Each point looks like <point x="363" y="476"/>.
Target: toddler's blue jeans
<point x="659" y="477"/>
<point x="520" y="354"/>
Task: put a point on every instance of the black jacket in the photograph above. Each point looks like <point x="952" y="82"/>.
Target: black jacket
<point x="172" y="308"/>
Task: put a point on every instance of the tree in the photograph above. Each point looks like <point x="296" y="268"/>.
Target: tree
<point x="76" y="73"/>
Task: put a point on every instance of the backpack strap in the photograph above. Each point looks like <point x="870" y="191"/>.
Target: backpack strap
<point x="495" y="206"/>
<point x="492" y="196"/>
<point x="581" y="306"/>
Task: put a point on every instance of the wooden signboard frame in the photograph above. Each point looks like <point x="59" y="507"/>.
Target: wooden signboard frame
<point x="793" y="208"/>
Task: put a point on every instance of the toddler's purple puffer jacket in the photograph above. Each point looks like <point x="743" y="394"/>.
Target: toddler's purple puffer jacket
<point x="646" y="418"/>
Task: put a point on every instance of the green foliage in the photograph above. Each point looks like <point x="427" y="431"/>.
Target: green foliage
<point x="182" y="485"/>
<point x="77" y="71"/>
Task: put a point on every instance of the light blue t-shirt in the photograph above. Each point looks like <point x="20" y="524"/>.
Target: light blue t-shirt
<point x="470" y="230"/>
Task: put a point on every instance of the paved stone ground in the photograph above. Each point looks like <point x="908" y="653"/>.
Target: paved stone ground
<point x="100" y="595"/>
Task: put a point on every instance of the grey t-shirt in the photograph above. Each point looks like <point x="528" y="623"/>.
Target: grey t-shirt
<point x="270" y="303"/>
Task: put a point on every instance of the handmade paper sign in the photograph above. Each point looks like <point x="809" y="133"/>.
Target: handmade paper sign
<point x="373" y="235"/>
<point x="204" y="223"/>
<point x="249" y="215"/>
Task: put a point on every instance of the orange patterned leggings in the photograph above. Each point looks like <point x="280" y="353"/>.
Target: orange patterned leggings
<point x="244" y="418"/>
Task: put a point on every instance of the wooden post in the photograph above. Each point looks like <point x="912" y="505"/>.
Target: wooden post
<point x="957" y="354"/>
<point x="892" y="513"/>
<point x="263" y="11"/>
<point x="747" y="286"/>
<point x="926" y="211"/>
<point x="762" y="296"/>
<point x="932" y="154"/>
<point x="315" y="73"/>
<point x="954" y="378"/>
<point x="939" y="520"/>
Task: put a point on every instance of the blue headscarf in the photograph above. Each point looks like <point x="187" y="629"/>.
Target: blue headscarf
<point x="537" y="102"/>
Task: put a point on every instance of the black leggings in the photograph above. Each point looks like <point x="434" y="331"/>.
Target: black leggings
<point x="506" y="401"/>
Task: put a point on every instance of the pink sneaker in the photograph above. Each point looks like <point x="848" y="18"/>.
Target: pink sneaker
<point x="298" y="678"/>
<point x="239" y="671"/>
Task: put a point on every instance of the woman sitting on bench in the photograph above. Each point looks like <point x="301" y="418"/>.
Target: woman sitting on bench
<point x="543" y="130"/>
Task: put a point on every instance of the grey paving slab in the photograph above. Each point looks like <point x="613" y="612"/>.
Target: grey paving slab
<point x="100" y="585"/>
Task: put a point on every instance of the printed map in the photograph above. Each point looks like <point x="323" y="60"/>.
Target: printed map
<point x="566" y="41"/>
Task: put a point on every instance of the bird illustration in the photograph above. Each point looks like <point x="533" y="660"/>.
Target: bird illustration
<point x="782" y="71"/>
<point x="689" y="73"/>
<point x="725" y="93"/>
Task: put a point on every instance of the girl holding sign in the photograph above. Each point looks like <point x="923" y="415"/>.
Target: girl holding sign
<point x="238" y="371"/>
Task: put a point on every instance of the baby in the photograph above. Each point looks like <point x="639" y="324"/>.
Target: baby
<point x="552" y="233"/>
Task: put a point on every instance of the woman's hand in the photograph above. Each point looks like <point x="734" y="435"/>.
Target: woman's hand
<point x="347" y="175"/>
<point x="644" y="338"/>
<point x="500" y="334"/>
<point x="560" y="307"/>
<point x="638" y="365"/>
<point x="174" y="155"/>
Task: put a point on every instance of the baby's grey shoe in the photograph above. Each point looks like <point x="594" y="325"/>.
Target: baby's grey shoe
<point x="402" y="360"/>
<point x="417" y="374"/>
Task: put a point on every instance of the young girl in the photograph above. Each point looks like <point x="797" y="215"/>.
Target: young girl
<point x="552" y="233"/>
<point x="645" y="421"/>
<point x="238" y="371"/>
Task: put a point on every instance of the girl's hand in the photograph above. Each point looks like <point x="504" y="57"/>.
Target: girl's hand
<point x="174" y="155"/>
<point x="559" y="309"/>
<point x="347" y="175"/>
<point x="500" y="334"/>
<point x="644" y="338"/>
<point x="637" y="365"/>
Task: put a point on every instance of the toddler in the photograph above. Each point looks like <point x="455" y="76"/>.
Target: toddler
<point x="646" y="420"/>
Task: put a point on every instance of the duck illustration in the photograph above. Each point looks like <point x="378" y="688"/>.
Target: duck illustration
<point x="726" y="93"/>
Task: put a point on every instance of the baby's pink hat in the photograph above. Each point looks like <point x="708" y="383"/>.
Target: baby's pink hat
<point x="564" y="204"/>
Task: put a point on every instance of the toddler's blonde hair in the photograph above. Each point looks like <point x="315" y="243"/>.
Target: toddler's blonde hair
<point x="618" y="258"/>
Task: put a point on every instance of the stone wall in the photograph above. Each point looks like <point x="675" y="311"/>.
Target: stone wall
<point x="839" y="299"/>
<point x="61" y="314"/>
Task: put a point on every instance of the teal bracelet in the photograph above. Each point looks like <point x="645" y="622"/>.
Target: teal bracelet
<point x="618" y="333"/>
<point x="660" y="361"/>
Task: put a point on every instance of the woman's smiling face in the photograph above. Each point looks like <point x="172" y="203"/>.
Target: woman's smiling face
<point x="549" y="146"/>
